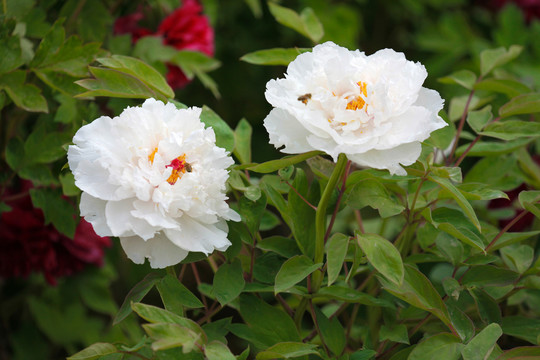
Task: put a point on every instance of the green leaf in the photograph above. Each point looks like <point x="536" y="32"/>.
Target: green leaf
<point x="450" y="247"/>
<point x="218" y="351"/>
<point x="418" y="291"/>
<point x="512" y="238"/>
<point x="252" y="212"/>
<point x="56" y="210"/>
<point x="193" y="61"/>
<point x="346" y="294"/>
<point x="287" y="350"/>
<point x="15" y="156"/>
<point x="518" y="257"/>
<point x="255" y="7"/>
<point x="242" y="136"/>
<point x="301" y="214"/>
<point x="521" y="353"/>
<point x="175" y="295"/>
<point x="487" y="275"/>
<point x="273" y="324"/>
<point x="113" y="83"/>
<point x="156" y="315"/>
<point x="521" y="327"/>
<point x="512" y="129"/>
<point x="280" y="245"/>
<point x="456" y="224"/>
<point x="371" y="192"/>
<point x="94" y="351"/>
<point x="224" y="134"/>
<point x="306" y="23"/>
<point x="508" y="87"/>
<point x="276" y="56"/>
<point x="522" y="104"/>
<point x="26" y="96"/>
<point x="168" y="336"/>
<point x="365" y="354"/>
<point x="462" y="323"/>
<point x="529" y="200"/>
<point x="293" y="271"/>
<point x="488" y="309"/>
<point x="397" y="333"/>
<point x="489" y="148"/>
<point x="383" y="255"/>
<point x="45" y="147"/>
<point x="135" y="295"/>
<point x="11" y="54"/>
<point x="332" y="332"/>
<point x="312" y="25"/>
<point x="479" y="118"/>
<point x="460" y="199"/>
<point x="465" y="78"/>
<point x="336" y="250"/>
<point x="51" y="43"/>
<point x="228" y="282"/>
<point x="141" y="71"/>
<point x="492" y="58"/>
<point x="482" y="344"/>
<point x="441" y="346"/>
<point x="274" y="165"/>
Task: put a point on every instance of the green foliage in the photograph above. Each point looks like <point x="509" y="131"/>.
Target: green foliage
<point x="428" y="265"/>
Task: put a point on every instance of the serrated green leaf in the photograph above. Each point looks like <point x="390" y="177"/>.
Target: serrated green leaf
<point x="276" y="56"/>
<point x="293" y="271"/>
<point x="383" y="255"/>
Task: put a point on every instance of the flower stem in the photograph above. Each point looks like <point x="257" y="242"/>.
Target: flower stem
<point x="320" y="218"/>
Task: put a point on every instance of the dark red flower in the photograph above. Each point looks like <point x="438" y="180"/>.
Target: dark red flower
<point x="530" y="8"/>
<point x="27" y="245"/>
<point x="186" y="28"/>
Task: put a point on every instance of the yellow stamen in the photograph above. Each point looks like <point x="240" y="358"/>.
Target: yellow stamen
<point x="358" y="102"/>
<point x="152" y="155"/>
<point x="179" y="168"/>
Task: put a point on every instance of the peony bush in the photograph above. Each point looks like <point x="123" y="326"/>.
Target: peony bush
<point x="370" y="203"/>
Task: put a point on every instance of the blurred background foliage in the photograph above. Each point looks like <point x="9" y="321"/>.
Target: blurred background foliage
<point x="38" y="111"/>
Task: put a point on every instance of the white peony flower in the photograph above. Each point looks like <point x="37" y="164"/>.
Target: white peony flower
<point x="154" y="177"/>
<point x="371" y="108"/>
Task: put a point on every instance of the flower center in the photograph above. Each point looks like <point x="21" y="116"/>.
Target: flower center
<point x="358" y="102"/>
<point x="179" y="167"/>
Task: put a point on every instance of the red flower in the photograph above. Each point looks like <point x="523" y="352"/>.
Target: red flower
<point x="27" y="245"/>
<point x="186" y="28"/>
<point x="530" y="8"/>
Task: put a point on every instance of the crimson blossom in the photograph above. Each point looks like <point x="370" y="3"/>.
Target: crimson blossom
<point x="28" y="245"/>
<point x="186" y="28"/>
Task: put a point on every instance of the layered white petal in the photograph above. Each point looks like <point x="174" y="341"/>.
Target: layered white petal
<point x="154" y="177"/>
<point x="372" y="108"/>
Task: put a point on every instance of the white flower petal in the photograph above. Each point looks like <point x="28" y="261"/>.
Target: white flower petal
<point x="153" y="176"/>
<point x="405" y="154"/>
<point x="344" y="102"/>
<point x="159" y="250"/>
<point x="293" y="138"/>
